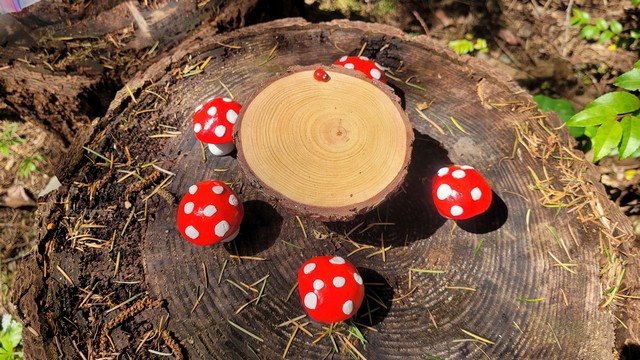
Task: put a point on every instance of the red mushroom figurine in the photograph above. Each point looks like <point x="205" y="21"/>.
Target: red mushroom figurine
<point x="210" y="212"/>
<point x="331" y="288"/>
<point x="460" y="192"/>
<point x="213" y="124"/>
<point x="362" y="63"/>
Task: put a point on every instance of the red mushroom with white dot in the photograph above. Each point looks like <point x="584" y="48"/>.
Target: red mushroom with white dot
<point x="210" y="212"/>
<point x="362" y="63"/>
<point x="460" y="192"/>
<point x="213" y="124"/>
<point x="331" y="288"/>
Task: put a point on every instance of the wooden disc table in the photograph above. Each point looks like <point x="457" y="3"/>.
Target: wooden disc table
<point x="328" y="150"/>
<point x="113" y="275"/>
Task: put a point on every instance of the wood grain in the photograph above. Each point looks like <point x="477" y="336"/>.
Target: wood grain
<point x="495" y="276"/>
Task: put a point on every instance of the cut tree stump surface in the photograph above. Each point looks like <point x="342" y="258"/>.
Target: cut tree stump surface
<point x="521" y="281"/>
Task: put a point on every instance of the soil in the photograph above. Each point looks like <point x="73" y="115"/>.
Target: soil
<point x="527" y="40"/>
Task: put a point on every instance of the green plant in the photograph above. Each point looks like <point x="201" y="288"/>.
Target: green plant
<point x="604" y="31"/>
<point x="466" y="45"/>
<point x="9" y="138"/>
<point x="611" y="121"/>
<point x="10" y="339"/>
<point x="29" y="164"/>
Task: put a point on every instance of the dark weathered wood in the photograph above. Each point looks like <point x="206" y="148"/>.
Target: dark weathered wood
<point x="48" y="78"/>
<point x="487" y="263"/>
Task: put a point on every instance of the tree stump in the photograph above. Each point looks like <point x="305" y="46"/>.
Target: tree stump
<point x="328" y="150"/>
<point x="528" y="279"/>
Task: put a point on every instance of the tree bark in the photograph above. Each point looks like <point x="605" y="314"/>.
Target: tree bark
<point x="521" y="281"/>
<point x="61" y="64"/>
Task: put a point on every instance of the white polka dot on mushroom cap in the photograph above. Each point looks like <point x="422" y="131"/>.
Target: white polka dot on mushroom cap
<point x="444" y="191"/>
<point x="347" y="308"/>
<point x="310" y="301"/>
<point x="232" y="116"/>
<point x="318" y="284"/>
<point x="198" y="108"/>
<point x="226" y="99"/>
<point x="458" y="174"/>
<point x="357" y="278"/>
<point x="377" y="65"/>
<point x="188" y="207"/>
<point x="218" y="189"/>
<point x="466" y="167"/>
<point x="209" y="211"/>
<point x="364" y="58"/>
<point x="193" y="189"/>
<point x="309" y="268"/>
<point x="220" y="130"/>
<point x="343" y="59"/>
<point x="476" y="194"/>
<point x="197" y="127"/>
<point x="456" y="210"/>
<point x="222" y="228"/>
<point x="444" y="171"/>
<point x="212" y="111"/>
<point x="339" y="281"/>
<point x="337" y="260"/>
<point x="191" y="232"/>
<point x="375" y="73"/>
<point x="349" y="65"/>
<point x="233" y="200"/>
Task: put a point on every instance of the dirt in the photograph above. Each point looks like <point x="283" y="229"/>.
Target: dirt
<point x="527" y="40"/>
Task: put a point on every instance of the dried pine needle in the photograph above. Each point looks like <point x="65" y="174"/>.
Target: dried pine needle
<point x="422" y="115"/>
<point x="477" y="337"/>
<point x="529" y="300"/>
<point x="455" y="122"/>
<point x="247" y="332"/>
<point x="427" y="271"/>
<point x="304" y="232"/>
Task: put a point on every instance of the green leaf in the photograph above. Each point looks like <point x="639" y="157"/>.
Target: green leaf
<point x="634" y="35"/>
<point x="580" y="18"/>
<point x="605" y="36"/>
<point x="629" y="80"/>
<point x="635" y="2"/>
<point x="590" y="131"/>
<point x="589" y="32"/>
<point x="602" y="24"/>
<point x="592" y="116"/>
<point x="620" y="101"/>
<point x="615" y="27"/>
<point x="607" y="138"/>
<point x="630" y="136"/>
<point x="461" y="46"/>
<point x="562" y="107"/>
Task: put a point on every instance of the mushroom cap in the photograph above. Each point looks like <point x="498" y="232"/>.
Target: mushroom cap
<point x="460" y="192"/>
<point x="331" y="289"/>
<point x="210" y="212"/>
<point x="372" y="69"/>
<point x="213" y="121"/>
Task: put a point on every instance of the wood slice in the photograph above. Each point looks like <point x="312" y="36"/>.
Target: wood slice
<point x="327" y="150"/>
<point x="529" y="279"/>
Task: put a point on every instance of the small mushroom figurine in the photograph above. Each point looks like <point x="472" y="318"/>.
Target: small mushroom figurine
<point x="362" y="63"/>
<point x="331" y="288"/>
<point x="210" y="212"/>
<point x="213" y="124"/>
<point x="460" y="192"/>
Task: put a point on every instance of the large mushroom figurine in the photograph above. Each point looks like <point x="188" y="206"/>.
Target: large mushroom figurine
<point x="331" y="288"/>
<point x="363" y="64"/>
<point x="460" y="192"/>
<point x="213" y="124"/>
<point x="210" y="212"/>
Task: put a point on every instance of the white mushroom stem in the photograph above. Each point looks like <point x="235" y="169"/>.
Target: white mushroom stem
<point x="232" y="236"/>
<point x="221" y="149"/>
